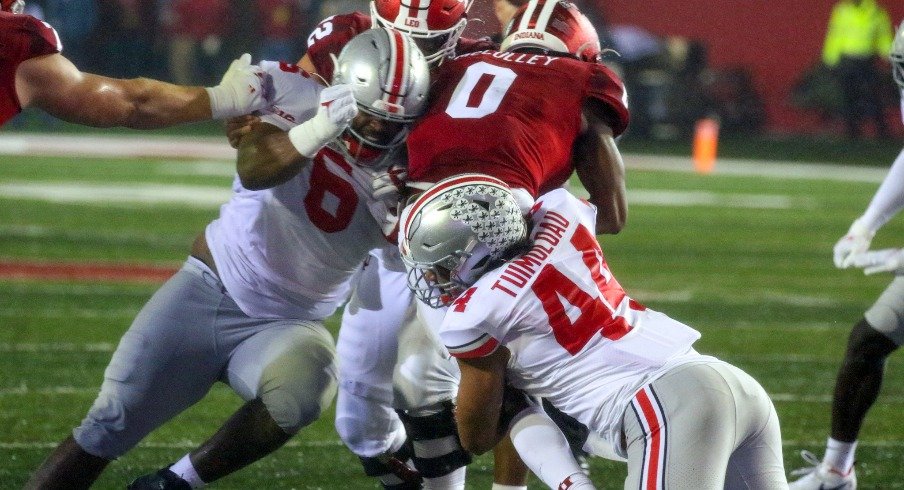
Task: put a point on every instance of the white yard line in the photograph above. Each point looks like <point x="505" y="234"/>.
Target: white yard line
<point x="216" y="148"/>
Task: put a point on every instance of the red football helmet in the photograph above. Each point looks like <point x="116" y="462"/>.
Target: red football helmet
<point x="553" y="25"/>
<point x="14" y="6"/>
<point x="435" y="25"/>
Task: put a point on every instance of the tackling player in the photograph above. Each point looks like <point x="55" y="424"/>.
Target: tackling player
<point x="531" y="303"/>
<point x="530" y="119"/>
<point x="879" y="333"/>
<point x="247" y="306"/>
<point x="33" y="73"/>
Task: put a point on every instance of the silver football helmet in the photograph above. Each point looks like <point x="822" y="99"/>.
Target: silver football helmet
<point x="390" y="80"/>
<point x="897" y="56"/>
<point x="456" y="231"/>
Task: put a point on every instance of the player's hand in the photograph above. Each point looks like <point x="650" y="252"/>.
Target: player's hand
<point x="876" y="261"/>
<point x="336" y="110"/>
<point x="245" y="88"/>
<point x="237" y="127"/>
<point x="856" y="241"/>
<point x="390" y="183"/>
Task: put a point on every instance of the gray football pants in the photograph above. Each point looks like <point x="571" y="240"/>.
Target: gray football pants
<point x="703" y="426"/>
<point x="887" y="313"/>
<point x="190" y="335"/>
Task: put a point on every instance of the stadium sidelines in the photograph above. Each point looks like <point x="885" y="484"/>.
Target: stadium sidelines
<point x="216" y="148"/>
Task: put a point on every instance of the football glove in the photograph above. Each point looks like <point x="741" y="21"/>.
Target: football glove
<point x="856" y="241"/>
<point x="336" y="110"/>
<point x="245" y="88"/>
<point x="876" y="261"/>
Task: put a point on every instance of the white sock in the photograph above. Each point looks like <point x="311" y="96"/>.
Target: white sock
<point x="577" y="481"/>
<point x="542" y="447"/>
<point x="840" y="455"/>
<point x="185" y="470"/>
<point x="452" y="481"/>
<point x="499" y="486"/>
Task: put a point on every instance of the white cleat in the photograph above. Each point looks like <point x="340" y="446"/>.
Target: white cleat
<point x="821" y="476"/>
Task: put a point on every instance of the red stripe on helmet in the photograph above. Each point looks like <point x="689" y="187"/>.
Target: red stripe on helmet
<point x="397" y="75"/>
<point x="413" y="8"/>
<point x="535" y="15"/>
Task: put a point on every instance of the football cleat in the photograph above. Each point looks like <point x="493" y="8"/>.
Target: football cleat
<point x="821" y="476"/>
<point x="163" y="479"/>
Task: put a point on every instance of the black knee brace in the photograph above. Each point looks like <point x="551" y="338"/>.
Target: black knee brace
<point x="867" y="347"/>
<point x="424" y="429"/>
<point x="381" y="466"/>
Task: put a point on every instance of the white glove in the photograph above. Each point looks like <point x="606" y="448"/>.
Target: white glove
<point x="245" y="88"/>
<point x="337" y="109"/>
<point x="390" y="183"/>
<point x="386" y="187"/>
<point x="875" y="261"/>
<point x="856" y="241"/>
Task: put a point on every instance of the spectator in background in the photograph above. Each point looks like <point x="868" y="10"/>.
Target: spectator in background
<point x="280" y="29"/>
<point x="859" y="32"/>
<point x="197" y="29"/>
<point x="74" y="21"/>
<point x="126" y="41"/>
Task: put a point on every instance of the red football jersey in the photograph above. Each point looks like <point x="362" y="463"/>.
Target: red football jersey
<point x="332" y="34"/>
<point x="514" y="116"/>
<point x="22" y="37"/>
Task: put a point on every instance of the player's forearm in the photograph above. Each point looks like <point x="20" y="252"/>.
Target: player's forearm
<point x="889" y="198"/>
<point x="600" y="169"/>
<point x="267" y="158"/>
<point x="156" y="104"/>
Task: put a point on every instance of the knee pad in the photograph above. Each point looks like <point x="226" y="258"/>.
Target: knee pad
<point x="868" y="346"/>
<point x="296" y="389"/>
<point x="367" y="426"/>
<point x="434" y="435"/>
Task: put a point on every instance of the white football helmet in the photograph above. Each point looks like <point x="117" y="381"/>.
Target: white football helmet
<point x="456" y="231"/>
<point x="390" y="79"/>
<point x="552" y="25"/>
<point x="897" y="56"/>
<point x="435" y="25"/>
<point x="14" y="6"/>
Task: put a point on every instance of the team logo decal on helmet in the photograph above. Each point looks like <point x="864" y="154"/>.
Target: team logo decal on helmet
<point x="455" y="231"/>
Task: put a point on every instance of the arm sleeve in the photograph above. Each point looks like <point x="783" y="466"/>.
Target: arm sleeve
<point x="889" y="198"/>
<point x="295" y="95"/>
<point x="608" y="91"/>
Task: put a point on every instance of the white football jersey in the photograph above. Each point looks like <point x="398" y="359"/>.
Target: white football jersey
<point x="290" y="251"/>
<point x="575" y="337"/>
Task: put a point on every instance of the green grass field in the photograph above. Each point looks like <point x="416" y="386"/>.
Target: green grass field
<point x="744" y="259"/>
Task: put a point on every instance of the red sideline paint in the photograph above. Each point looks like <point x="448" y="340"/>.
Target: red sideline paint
<point x="69" y="271"/>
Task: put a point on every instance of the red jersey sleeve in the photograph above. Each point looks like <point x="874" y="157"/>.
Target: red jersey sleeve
<point x="604" y="86"/>
<point x="22" y="37"/>
<point x="330" y="36"/>
<point x="467" y="45"/>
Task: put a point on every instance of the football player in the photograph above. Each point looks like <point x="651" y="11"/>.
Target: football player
<point x="247" y="306"/>
<point x="530" y="119"/>
<point x="879" y="333"/>
<point x="532" y="303"/>
<point x="33" y="73"/>
<point x="388" y="361"/>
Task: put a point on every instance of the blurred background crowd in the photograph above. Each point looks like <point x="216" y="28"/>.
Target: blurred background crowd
<point x="679" y="66"/>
